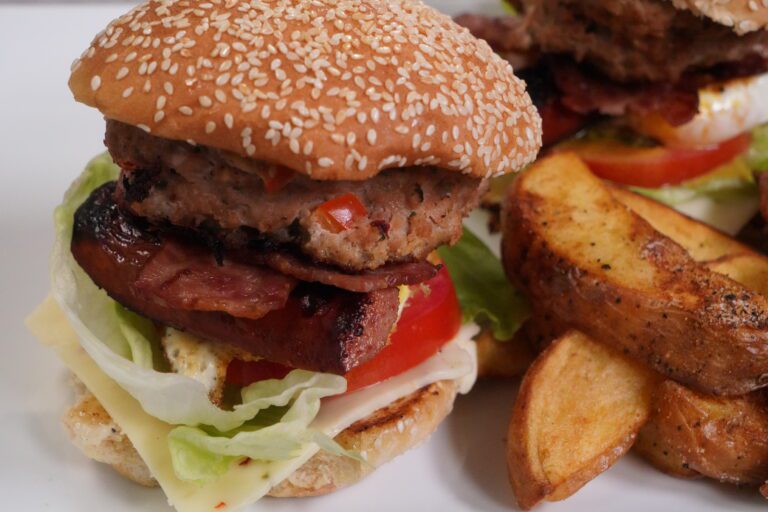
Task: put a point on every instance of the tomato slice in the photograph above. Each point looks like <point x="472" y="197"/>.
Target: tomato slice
<point x="557" y="122"/>
<point x="430" y="319"/>
<point x="655" y="166"/>
<point x="339" y="213"/>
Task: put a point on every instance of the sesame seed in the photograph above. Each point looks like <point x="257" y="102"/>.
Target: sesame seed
<point x="210" y="127"/>
<point x="205" y="101"/>
<point x="371" y="137"/>
<point x="95" y="83"/>
<point x="325" y="162"/>
<point x="187" y="111"/>
<point x="229" y="121"/>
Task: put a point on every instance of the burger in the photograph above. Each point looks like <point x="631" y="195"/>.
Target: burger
<point x="665" y="96"/>
<point x="246" y="287"/>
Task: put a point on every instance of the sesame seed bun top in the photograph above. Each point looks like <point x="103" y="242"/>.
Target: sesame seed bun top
<point x="742" y="15"/>
<point x="335" y="89"/>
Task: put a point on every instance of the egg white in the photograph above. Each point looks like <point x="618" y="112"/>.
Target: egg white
<point x="725" y="111"/>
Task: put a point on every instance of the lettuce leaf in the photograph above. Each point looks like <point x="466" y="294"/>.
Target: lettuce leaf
<point x="757" y="156"/>
<point x="485" y="294"/>
<point x="121" y="344"/>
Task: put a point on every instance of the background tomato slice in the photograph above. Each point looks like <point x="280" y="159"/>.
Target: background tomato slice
<point x="430" y="319"/>
<point x="656" y="166"/>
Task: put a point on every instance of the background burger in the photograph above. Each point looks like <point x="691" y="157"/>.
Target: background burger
<point x="254" y="278"/>
<point x="668" y="97"/>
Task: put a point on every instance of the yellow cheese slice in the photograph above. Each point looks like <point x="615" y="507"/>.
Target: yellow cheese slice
<point x="240" y="486"/>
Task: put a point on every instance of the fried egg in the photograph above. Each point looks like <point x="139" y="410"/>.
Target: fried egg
<point x="725" y="111"/>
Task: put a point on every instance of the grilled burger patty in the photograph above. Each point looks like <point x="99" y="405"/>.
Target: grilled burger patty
<point x="180" y="283"/>
<point x="410" y="212"/>
<point x="636" y="40"/>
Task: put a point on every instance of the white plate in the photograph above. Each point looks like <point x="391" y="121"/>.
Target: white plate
<point x="45" y="139"/>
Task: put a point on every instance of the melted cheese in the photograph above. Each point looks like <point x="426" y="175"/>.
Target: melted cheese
<point x="242" y="485"/>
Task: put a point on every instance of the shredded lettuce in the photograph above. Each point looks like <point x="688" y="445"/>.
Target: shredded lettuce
<point x="732" y="181"/>
<point x="207" y="438"/>
<point x="485" y="294"/>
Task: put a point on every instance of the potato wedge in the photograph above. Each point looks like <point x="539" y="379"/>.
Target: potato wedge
<point x="592" y="263"/>
<point x="685" y="423"/>
<point x="701" y="241"/>
<point x="721" y="438"/>
<point x="751" y="270"/>
<point x="505" y="359"/>
<point x="579" y="409"/>
<point x="653" y="445"/>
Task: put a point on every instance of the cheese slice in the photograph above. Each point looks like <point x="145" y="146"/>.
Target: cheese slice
<point x="241" y="485"/>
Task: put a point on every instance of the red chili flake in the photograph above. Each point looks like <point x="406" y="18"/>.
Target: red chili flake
<point x="220" y="506"/>
<point x="245" y="461"/>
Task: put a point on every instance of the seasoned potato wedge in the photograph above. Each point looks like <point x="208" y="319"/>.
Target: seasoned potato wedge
<point x="653" y="445"/>
<point x="751" y="270"/>
<point x="592" y="263"/>
<point x="579" y="409"/>
<point x="701" y="241"/>
<point x="691" y="434"/>
<point x="723" y="438"/>
<point x="502" y="358"/>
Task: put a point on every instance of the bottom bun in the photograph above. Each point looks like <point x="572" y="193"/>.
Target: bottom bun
<point x="379" y="437"/>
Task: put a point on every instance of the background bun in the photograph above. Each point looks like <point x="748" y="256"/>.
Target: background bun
<point x="743" y="15"/>
<point x="334" y="89"/>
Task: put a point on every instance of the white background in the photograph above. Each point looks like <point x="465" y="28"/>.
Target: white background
<point x="45" y="139"/>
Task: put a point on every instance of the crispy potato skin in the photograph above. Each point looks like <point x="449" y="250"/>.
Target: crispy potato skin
<point x="572" y="247"/>
<point x="701" y="241"/>
<point x="579" y="409"/>
<point x="722" y="438"/>
<point x="653" y="445"/>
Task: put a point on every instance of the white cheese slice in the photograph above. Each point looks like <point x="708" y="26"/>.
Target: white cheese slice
<point x="242" y="485"/>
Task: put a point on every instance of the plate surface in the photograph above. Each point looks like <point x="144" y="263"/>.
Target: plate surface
<point x="46" y="139"/>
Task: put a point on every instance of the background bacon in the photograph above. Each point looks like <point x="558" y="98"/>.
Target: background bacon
<point x="321" y="328"/>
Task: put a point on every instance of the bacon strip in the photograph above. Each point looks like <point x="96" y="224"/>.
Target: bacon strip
<point x="186" y="277"/>
<point x="388" y="276"/>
